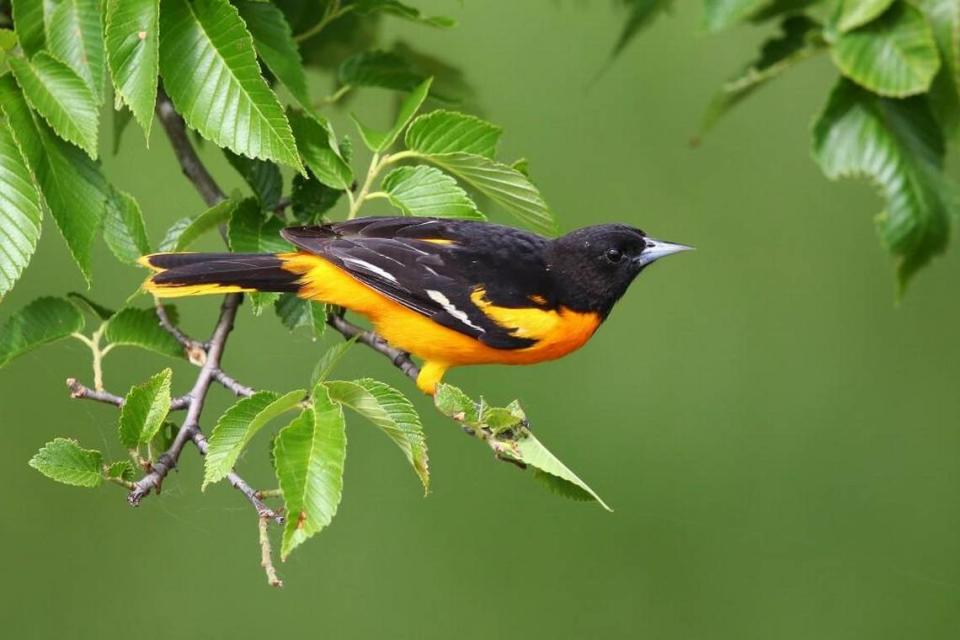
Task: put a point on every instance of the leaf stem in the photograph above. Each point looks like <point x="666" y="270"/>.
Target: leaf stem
<point x="334" y="11"/>
<point x="376" y="164"/>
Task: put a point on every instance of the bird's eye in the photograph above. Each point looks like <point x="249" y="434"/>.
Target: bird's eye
<point x="614" y="255"/>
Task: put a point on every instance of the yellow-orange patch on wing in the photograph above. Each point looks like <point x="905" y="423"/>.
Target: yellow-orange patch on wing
<point x="537" y="299"/>
<point x="436" y="240"/>
<point x="180" y="291"/>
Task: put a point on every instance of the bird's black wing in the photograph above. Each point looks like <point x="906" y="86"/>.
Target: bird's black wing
<point x="432" y="266"/>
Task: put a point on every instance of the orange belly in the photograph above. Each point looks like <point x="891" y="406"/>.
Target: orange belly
<point x="557" y="333"/>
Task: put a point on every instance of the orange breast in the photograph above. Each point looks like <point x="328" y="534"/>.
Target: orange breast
<point x="557" y="332"/>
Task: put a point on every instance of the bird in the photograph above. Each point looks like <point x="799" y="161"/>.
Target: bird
<point x="450" y="292"/>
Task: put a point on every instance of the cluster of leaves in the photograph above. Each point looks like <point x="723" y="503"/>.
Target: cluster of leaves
<point x="235" y="72"/>
<point x="890" y="118"/>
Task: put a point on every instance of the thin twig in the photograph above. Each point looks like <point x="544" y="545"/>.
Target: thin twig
<point x="196" y="352"/>
<point x="232" y="385"/>
<point x="266" y="559"/>
<point x="263" y="511"/>
<point x="399" y="359"/>
<point x="78" y="390"/>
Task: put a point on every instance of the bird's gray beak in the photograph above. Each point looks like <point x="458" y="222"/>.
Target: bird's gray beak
<point x="657" y="249"/>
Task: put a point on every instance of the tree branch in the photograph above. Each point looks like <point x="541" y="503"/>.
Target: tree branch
<point x="399" y="359"/>
<point x="192" y="167"/>
<point x="78" y="390"/>
<point x="191" y="423"/>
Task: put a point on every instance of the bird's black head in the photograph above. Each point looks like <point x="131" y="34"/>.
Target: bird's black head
<point x="594" y="266"/>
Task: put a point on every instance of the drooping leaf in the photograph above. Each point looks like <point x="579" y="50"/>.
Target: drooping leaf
<point x="405" y="11"/>
<point x="275" y="45"/>
<point x="799" y="39"/>
<point x="20" y="212"/>
<point x="310" y="199"/>
<point x="123" y="228"/>
<point x="640" y="14"/>
<point x="382" y="69"/>
<point x="895" y="55"/>
<point x="75" y="36"/>
<point x="57" y="93"/>
<point x="64" y="461"/>
<point x="425" y="191"/>
<point x="502" y="184"/>
<point x="133" y="51"/>
<point x="263" y="177"/>
<point x="444" y="131"/>
<point x="898" y="146"/>
<point x="185" y="230"/>
<point x="43" y="321"/>
<point x="136" y="327"/>
<point x="121" y="118"/>
<point x="720" y="14"/>
<point x="309" y="454"/>
<point x="295" y="312"/>
<point x="856" y="13"/>
<point x="524" y="447"/>
<point x="449" y="82"/>
<point x="392" y="412"/>
<point x="72" y="185"/>
<point x="29" y="22"/>
<point x="144" y="410"/>
<point x="238" y="425"/>
<point x="209" y="69"/>
<point x="381" y="141"/>
<point x="944" y="18"/>
<point x="317" y="146"/>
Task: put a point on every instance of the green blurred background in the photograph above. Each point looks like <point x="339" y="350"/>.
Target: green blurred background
<point x="779" y="439"/>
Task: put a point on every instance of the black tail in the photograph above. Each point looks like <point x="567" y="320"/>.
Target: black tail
<point x="193" y="274"/>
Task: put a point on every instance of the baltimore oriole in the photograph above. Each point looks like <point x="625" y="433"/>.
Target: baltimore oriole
<point x="451" y="292"/>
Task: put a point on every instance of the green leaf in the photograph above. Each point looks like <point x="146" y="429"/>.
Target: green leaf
<point x="382" y="69"/>
<point x="238" y="425"/>
<point x="310" y="199"/>
<point x="296" y="312"/>
<point x="405" y="11"/>
<point x="75" y="36"/>
<point x="898" y="145"/>
<point x="318" y="147"/>
<point x="29" y="22"/>
<point x="20" y="212"/>
<point x="799" y="39"/>
<point x="144" y="410"/>
<point x="309" y="454"/>
<point x="43" y="321"/>
<point x="524" y="447"/>
<point x="64" y="461"/>
<point x="329" y="360"/>
<point x="944" y="18"/>
<point x="185" y="230"/>
<point x="58" y="94"/>
<point x="856" y="13"/>
<point x="72" y="186"/>
<point x="720" y="14"/>
<point x="121" y="118"/>
<point x="250" y="232"/>
<point x="133" y="51"/>
<point x="454" y="403"/>
<point x="88" y="306"/>
<point x="501" y="183"/>
<point x="393" y="413"/>
<point x="123" y="228"/>
<point x="263" y="177"/>
<point x="135" y="327"/>
<point x="274" y="42"/>
<point x="425" y="191"/>
<point x="209" y="68"/>
<point x="895" y="55"/>
<point x="381" y="141"/>
<point x="123" y="470"/>
<point x="641" y="13"/>
<point x="450" y="132"/>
